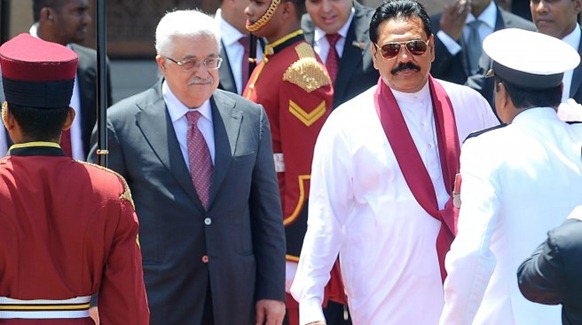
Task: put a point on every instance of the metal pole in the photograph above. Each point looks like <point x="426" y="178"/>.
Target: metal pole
<point x="252" y="53"/>
<point x="102" y="83"/>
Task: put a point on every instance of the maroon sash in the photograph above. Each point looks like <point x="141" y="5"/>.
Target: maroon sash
<point x="411" y="164"/>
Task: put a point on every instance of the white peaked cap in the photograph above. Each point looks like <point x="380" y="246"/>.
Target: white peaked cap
<point x="529" y="59"/>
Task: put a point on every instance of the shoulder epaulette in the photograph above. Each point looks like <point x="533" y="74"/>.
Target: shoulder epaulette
<point x="478" y="133"/>
<point x="307" y="72"/>
<point x="126" y="195"/>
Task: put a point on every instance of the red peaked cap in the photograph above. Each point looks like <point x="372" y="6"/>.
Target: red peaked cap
<point x="37" y="73"/>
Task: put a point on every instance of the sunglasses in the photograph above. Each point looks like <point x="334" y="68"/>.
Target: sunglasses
<point x="390" y="50"/>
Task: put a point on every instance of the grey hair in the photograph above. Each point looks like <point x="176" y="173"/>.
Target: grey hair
<point x="184" y="23"/>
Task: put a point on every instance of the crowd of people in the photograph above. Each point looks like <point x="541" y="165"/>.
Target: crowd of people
<point x="298" y="162"/>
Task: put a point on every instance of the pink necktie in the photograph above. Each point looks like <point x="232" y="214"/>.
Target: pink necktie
<point x="244" y="41"/>
<point x="332" y="61"/>
<point x="66" y="143"/>
<point x="199" y="159"/>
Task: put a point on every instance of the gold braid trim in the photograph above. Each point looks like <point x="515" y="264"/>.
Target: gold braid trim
<point x="264" y="18"/>
<point x="306" y="72"/>
<point x="126" y="195"/>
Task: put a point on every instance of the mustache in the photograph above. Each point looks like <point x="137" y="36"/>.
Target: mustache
<point x="200" y="81"/>
<point x="405" y="66"/>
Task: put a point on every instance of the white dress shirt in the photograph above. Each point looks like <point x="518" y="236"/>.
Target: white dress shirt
<point x="361" y="208"/>
<point x="518" y="182"/>
<point x="177" y="111"/>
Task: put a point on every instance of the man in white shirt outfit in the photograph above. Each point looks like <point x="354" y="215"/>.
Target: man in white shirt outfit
<point x="361" y="203"/>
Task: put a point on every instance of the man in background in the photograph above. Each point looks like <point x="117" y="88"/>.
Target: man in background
<point x="338" y="31"/>
<point x="235" y="45"/>
<point x="65" y="22"/>
<point x="559" y="18"/>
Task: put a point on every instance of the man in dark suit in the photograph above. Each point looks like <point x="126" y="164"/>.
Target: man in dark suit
<point x="452" y="28"/>
<point x="200" y="166"/>
<point x="234" y="70"/>
<point x="65" y="22"/>
<point x="349" y="19"/>
<point x="560" y="19"/>
<point x="553" y="274"/>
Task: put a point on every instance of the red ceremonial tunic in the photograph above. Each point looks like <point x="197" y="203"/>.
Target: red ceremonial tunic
<point x="68" y="229"/>
<point x="294" y="88"/>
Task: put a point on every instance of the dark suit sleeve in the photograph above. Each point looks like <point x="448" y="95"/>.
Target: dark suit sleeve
<point x="443" y="59"/>
<point x="267" y="221"/>
<point x="540" y="277"/>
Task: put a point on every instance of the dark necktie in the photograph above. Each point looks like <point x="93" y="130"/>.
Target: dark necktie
<point x="332" y="61"/>
<point x="66" y="143"/>
<point x="474" y="46"/>
<point x="244" y="41"/>
<point x="199" y="159"/>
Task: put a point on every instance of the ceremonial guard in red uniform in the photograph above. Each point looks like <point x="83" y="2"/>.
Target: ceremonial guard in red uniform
<point x="296" y="91"/>
<point x="68" y="229"/>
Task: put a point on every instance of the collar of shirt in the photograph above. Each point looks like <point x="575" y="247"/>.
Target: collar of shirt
<point x="573" y="39"/>
<point x="177" y="109"/>
<point x="488" y="16"/>
<point x="421" y="96"/>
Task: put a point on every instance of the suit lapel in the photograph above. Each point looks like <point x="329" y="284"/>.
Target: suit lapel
<point x="227" y="81"/>
<point x="155" y="124"/>
<point x="356" y="43"/>
<point x="226" y="122"/>
<point x="308" y="29"/>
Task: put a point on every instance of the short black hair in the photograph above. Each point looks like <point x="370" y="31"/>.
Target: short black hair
<point x="391" y="9"/>
<point x="527" y="97"/>
<point x="37" y="6"/>
<point x="299" y="7"/>
<point x="39" y="124"/>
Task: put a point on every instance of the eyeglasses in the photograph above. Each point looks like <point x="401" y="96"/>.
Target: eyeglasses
<point x="390" y="50"/>
<point x="209" y="63"/>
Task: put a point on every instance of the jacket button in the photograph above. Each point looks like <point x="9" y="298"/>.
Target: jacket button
<point x="208" y="221"/>
<point x="205" y="259"/>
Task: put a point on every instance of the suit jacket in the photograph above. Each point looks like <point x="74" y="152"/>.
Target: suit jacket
<point x="576" y="85"/>
<point x="87" y="81"/>
<point x="237" y="247"/>
<point x="553" y="274"/>
<point x="455" y="68"/>
<point x="356" y="71"/>
<point x="226" y="76"/>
